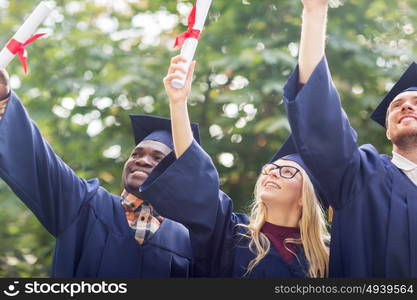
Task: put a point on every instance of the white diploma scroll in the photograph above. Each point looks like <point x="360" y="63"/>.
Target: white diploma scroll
<point x="25" y="31"/>
<point x="190" y="44"/>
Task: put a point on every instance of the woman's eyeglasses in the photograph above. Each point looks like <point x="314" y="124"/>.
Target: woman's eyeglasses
<point x="284" y="171"/>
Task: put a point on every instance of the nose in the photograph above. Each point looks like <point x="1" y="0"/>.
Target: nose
<point x="144" y="161"/>
<point x="274" y="173"/>
<point x="408" y="106"/>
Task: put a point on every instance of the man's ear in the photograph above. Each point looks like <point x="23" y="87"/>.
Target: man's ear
<point x="4" y="84"/>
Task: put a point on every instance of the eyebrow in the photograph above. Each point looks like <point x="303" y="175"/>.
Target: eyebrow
<point x="402" y="98"/>
<point x="153" y="151"/>
<point x="395" y="101"/>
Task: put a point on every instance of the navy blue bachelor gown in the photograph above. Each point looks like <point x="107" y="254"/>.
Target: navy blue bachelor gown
<point x="93" y="238"/>
<point x="374" y="230"/>
<point x="219" y="246"/>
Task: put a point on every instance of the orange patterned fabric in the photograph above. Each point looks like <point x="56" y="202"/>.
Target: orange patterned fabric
<point x="141" y="217"/>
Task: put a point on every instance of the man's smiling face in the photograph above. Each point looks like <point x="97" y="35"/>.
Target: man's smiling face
<point x="143" y="159"/>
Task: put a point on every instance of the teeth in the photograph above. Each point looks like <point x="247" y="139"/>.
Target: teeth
<point x="274" y="185"/>
<point x="139" y="172"/>
<point x="407" y="118"/>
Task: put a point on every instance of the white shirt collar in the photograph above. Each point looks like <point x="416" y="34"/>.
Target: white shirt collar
<point x="402" y="162"/>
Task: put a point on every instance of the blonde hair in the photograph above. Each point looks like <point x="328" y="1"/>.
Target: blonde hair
<point x="313" y="231"/>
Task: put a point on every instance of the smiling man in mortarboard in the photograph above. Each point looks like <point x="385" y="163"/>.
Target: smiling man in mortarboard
<point x="97" y="234"/>
<point x="374" y="196"/>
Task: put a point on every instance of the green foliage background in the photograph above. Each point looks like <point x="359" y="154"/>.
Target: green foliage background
<point x="247" y="51"/>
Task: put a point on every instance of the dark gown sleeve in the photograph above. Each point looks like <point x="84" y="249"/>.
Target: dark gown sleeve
<point x="36" y="174"/>
<point x="324" y="137"/>
<point x="187" y="190"/>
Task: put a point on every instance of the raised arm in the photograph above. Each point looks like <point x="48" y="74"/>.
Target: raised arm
<point x="313" y="35"/>
<point x="320" y="127"/>
<point x="187" y="189"/>
<point x="35" y="173"/>
<point x="180" y="120"/>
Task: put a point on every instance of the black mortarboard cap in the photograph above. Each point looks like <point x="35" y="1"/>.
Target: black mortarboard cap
<point x="148" y="127"/>
<point x="407" y="82"/>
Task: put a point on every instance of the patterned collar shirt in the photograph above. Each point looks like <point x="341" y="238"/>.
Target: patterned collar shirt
<point x="141" y="216"/>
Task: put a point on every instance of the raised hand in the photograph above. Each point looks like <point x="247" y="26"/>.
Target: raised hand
<point x="313" y="37"/>
<point x="178" y="95"/>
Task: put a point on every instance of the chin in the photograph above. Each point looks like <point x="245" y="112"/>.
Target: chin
<point x="269" y="196"/>
<point x="133" y="185"/>
<point x="406" y="138"/>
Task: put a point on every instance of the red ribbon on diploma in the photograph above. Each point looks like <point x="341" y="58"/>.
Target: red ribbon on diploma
<point x="16" y="47"/>
<point x="190" y="33"/>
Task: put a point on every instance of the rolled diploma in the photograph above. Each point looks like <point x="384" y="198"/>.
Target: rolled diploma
<point x="25" y="31"/>
<point x="190" y="44"/>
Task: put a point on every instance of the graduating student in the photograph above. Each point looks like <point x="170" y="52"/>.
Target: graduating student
<point x="97" y="234"/>
<point x="285" y="235"/>
<point x="374" y="196"/>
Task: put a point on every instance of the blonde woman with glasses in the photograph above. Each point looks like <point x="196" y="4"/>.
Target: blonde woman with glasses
<point x="285" y="234"/>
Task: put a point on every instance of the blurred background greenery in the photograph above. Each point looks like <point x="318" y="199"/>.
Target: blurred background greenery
<point x="105" y="59"/>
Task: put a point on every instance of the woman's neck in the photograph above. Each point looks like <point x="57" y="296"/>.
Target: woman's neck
<point x="283" y="217"/>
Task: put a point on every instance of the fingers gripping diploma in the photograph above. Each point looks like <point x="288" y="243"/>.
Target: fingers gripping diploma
<point x="177" y="71"/>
